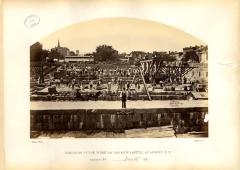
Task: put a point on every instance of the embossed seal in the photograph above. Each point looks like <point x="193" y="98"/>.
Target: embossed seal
<point x="31" y="21"/>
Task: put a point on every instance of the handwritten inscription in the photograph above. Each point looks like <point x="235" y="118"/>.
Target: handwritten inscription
<point x="37" y="141"/>
<point x="175" y="103"/>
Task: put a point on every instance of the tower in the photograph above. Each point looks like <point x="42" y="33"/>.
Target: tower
<point x="58" y="43"/>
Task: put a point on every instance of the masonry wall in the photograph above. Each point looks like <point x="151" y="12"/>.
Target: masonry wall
<point x="112" y="120"/>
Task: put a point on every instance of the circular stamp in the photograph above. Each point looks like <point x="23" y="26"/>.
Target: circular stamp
<point x="31" y="21"/>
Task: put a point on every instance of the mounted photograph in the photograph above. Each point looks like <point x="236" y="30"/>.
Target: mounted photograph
<point x="119" y="78"/>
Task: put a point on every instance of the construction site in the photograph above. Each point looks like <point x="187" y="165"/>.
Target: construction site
<point x="166" y="96"/>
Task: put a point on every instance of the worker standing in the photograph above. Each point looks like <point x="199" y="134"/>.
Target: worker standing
<point x="124" y="98"/>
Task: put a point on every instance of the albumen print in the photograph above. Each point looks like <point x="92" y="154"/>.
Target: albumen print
<point x="119" y="78"/>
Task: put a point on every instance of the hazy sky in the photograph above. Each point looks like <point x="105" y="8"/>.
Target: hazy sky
<point x="125" y="35"/>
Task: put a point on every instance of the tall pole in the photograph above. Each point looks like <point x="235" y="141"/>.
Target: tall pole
<point x="144" y="83"/>
<point x="41" y="74"/>
<point x="133" y="78"/>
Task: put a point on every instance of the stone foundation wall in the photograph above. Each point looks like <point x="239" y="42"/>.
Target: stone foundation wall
<point x="116" y="119"/>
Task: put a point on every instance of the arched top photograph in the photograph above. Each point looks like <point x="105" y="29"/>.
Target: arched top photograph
<point x="126" y="77"/>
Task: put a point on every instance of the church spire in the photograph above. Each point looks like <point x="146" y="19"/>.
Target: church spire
<point x="58" y="43"/>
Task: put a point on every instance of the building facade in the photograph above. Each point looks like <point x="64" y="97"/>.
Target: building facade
<point x="200" y="73"/>
<point x="79" y="58"/>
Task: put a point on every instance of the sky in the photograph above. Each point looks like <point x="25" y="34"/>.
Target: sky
<point x="124" y="34"/>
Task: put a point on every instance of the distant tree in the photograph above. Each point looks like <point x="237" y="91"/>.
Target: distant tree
<point x="106" y="53"/>
<point x="138" y="54"/>
<point x="72" y="53"/>
<point x="149" y="56"/>
<point x="53" y="54"/>
<point x="45" y="54"/>
<point x="163" y="56"/>
<point x="122" y="55"/>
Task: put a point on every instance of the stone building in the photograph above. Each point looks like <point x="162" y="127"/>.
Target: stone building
<point x="196" y="53"/>
<point x="200" y="73"/>
<point x="64" y="51"/>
